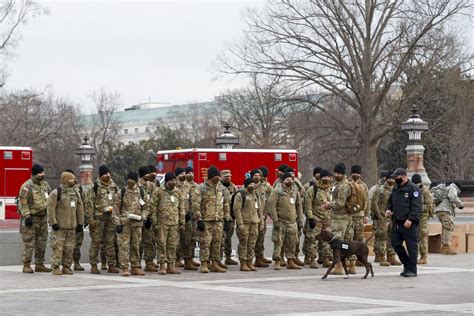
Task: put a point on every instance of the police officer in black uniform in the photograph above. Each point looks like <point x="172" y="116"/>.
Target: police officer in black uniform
<point x="404" y="206"/>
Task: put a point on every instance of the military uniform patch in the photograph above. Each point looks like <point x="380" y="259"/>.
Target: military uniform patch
<point x="416" y="194"/>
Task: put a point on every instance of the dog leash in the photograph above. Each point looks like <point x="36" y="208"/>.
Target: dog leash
<point x="387" y="221"/>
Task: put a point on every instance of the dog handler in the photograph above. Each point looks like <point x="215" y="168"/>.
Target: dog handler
<point x="404" y="206"/>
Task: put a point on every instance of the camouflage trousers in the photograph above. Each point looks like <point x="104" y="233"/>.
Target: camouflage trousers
<point x="187" y="241"/>
<point x="247" y="240"/>
<point x="77" y="246"/>
<point x="62" y="246"/>
<point x="168" y="239"/>
<point x="314" y="244"/>
<point x="102" y="231"/>
<point x="340" y="223"/>
<point x="34" y="239"/>
<point x="308" y="235"/>
<point x="226" y="248"/>
<point x="210" y="241"/>
<point x="129" y="245"/>
<point x="260" y="244"/>
<point x="447" y="224"/>
<point x="355" y="231"/>
<point x="423" y="235"/>
<point x="382" y="244"/>
<point x="148" y="248"/>
<point x="284" y="239"/>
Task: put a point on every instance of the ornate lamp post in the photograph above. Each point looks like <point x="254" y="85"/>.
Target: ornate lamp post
<point x="85" y="151"/>
<point x="415" y="126"/>
<point x="227" y="140"/>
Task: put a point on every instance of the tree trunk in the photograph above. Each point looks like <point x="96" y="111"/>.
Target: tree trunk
<point x="368" y="160"/>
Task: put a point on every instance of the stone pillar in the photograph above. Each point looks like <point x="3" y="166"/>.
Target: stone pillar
<point x="415" y="126"/>
<point x="85" y="151"/>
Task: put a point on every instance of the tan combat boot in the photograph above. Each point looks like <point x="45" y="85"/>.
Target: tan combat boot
<point x="392" y="259"/>
<point x="251" y="266"/>
<point x="204" y="268"/>
<point x="422" y="260"/>
<point x="283" y="262"/>
<point x="326" y="262"/>
<point x="150" y="267"/>
<point x="298" y="262"/>
<point x="260" y="263"/>
<point x="243" y="266"/>
<point x="27" y="268"/>
<point x="162" y="270"/>
<point x="221" y="265"/>
<point x="215" y="267"/>
<point x="178" y="263"/>
<point x="292" y="265"/>
<point x="383" y="262"/>
<point x="171" y="269"/>
<point x="42" y="268"/>
<point x="230" y="262"/>
<point x="137" y="271"/>
<point x="307" y="260"/>
<point x="377" y="258"/>
<point x="313" y="264"/>
<point x="277" y="265"/>
<point x="155" y="265"/>
<point x="125" y="272"/>
<point x="265" y="260"/>
<point x="67" y="271"/>
<point x="113" y="269"/>
<point x="352" y="267"/>
<point x="57" y="271"/>
<point x="337" y="269"/>
<point x="77" y="266"/>
<point x="94" y="269"/>
<point x="188" y="265"/>
<point x="447" y="250"/>
<point x="196" y="264"/>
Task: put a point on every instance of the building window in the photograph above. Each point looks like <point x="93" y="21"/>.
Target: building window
<point x="136" y="130"/>
<point x="125" y="131"/>
<point x="147" y="129"/>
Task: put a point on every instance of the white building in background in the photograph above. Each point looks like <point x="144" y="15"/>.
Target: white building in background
<point x="139" y="122"/>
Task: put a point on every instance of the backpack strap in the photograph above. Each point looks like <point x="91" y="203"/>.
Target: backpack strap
<point x="96" y="188"/>
<point x="58" y="190"/>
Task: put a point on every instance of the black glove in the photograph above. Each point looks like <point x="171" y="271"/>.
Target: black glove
<point x="79" y="228"/>
<point x="227" y="226"/>
<point x="311" y="223"/>
<point x="200" y="225"/>
<point x="461" y="207"/>
<point x="148" y="224"/>
<point x="55" y="227"/>
<point x="188" y="216"/>
<point x="29" y="222"/>
<point x="119" y="229"/>
<point x="86" y="224"/>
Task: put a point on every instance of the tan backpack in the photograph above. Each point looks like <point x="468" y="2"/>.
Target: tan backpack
<point x="357" y="199"/>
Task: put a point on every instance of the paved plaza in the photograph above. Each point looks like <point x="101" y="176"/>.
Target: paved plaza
<point x="444" y="287"/>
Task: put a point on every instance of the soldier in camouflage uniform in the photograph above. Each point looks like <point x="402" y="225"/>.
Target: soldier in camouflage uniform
<point x="308" y="239"/>
<point x="229" y="227"/>
<point x="32" y="198"/>
<point x="147" y="244"/>
<point x="98" y="207"/>
<point x="130" y="211"/>
<point x="184" y="236"/>
<point x="167" y="206"/>
<point x="285" y="207"/>
<point x="66" y="216"/>
<point x="341" y="219"/>
<point x="188" y="251"/>
<point x="446" y="212"/>
<point x="247" y="210"/>
<point x="318" y="218"/>
<point x="211" y="208"/>
<point x="378" y="203"/>
<point x="356" y="230"/>
<point x="281" y="170"/>
<point x="263" y="190"/>
<point x="300" y="187"/>
<point x="426" y="213"/>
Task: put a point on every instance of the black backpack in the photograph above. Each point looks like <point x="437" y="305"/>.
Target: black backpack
<point x="232" y="199"/>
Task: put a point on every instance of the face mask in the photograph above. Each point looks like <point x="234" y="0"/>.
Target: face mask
<point x="250" y="188"/>
<point x="131" y="184"/>
<point x="355" y="177"/>
<point x="105" y="178"/>
<point x="262" y="180"/>
<point x="399" y="181"/>
<point x="71" y="184"/>
<point x="391" y="182"/>
<point x="39" y="178"/>
<point x="317" y="177"/>
<point x="170" y="185"/>
<point x="289" y="184"/>
<point x="326" y="181"/>
<point x="256" y="180"/>
<point x="338" y="178"/>
<point x="189" y="177"/>
<point x="181" y="178"/>
<point x="152" y="177"/>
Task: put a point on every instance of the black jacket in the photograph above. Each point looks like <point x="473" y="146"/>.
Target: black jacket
<point x="405" y="202"/>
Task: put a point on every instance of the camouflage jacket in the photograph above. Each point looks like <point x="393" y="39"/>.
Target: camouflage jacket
<point x="428" y="203"/>
<point x="167" y="207"/>
<point x="98" y="205"/>
<point x="250" y="211"/>
<point x="285" y="205"/>
<point x="33" y="198"/>
<point x="131" y="203"/>
<point x="340" y="194"/>
<point x="379" y="201"/>
<point x="211" y="203"/>
<point x="314" y="203"/>
<point x="264" y="189"/>
<point x="68" y="212"/>
<point x="184" y="188"/>
<point x="450" y="200"/>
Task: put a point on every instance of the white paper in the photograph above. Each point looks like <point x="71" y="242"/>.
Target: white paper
<point x="292" y="200"/>
<point x="73" y="203"/>
<point x="141" y="202"/>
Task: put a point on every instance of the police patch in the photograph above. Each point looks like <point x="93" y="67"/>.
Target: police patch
<point x="416" y="194"/>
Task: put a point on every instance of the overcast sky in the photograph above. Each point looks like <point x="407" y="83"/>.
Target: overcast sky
<point x="158" y="51"/>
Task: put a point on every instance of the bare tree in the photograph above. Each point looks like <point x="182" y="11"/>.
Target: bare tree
<point x="354" y="50"/>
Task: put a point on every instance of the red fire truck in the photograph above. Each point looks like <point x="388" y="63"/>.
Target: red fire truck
<point x="15" y="169"/>
<point x="239" y="161"/>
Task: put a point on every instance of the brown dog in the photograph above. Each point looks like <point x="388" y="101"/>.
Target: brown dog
<point x="342" y="250"/>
